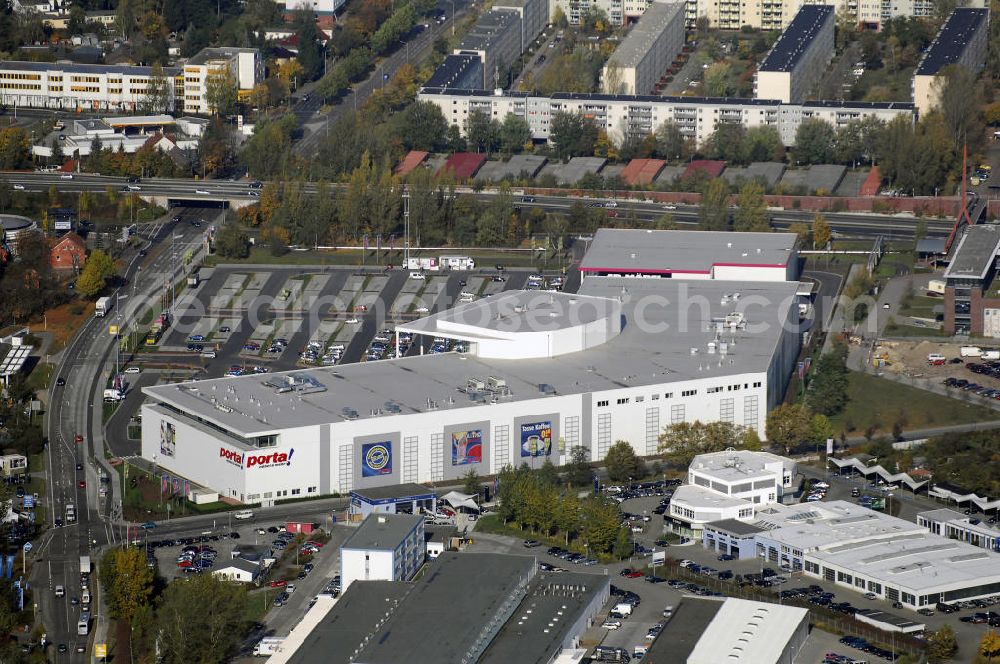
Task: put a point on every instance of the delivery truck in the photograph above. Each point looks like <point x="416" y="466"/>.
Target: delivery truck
<point x="84" y="564"/>
<point x="267" y="646"/>
<point x="103" y="307"/>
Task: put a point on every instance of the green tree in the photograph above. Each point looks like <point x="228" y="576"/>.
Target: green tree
<point x="827" y="392"/>
<point x="212" y="639"/>
<point x="960" y="101"/>
<point x="422" y="126"/>
<point x="622" y="462"/>
<point x="671" y="143"/>
<point x="482" y="132"/>
<point x="728" y="142"/>
<point x="763" y="143"/>
<point x="814" y="142"/>
<point x="310" y="54"/>
<point x="578" y="471"/>
<point x="599" y="524"/>
<point x="788" y="425"/>
<point x="573" y="135"/>
<point x="751" y="210"/>
<point x="232" y="242"/>
<point x="624" y="547"/>
<point x="820" y="428"/>
<point x="515" y="132"/>
<point x="942" y="644"/>
<point x="15" y="148"/>
<point x="127" y="582"/>
<point x="680" y="443"/>
<point x="548" y="474"/>
<point x="713" y="213"/>
<point x="567" y="515"/>
<point x="821" y="232"/>
<point x="158" y="97"/>
<point x="471" y="482"/>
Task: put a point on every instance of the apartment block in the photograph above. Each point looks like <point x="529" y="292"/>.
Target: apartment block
<point x="245" y="65"/>
<point x="799" y="57"/>
<point x="697" y="117"/>
<point x="961" y="41"/>
<point x="643" y="56"/>
<point x="496" y="39"/>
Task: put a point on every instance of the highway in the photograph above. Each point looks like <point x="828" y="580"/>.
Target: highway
<point x="76" y="408"/>
<point x="181" y="191"/>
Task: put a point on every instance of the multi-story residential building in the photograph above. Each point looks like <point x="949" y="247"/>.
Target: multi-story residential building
<point x="961" y="41"/>
<point x="126" y="87"/>
<point x="643" y="56"/>
<point x="496" y="39"/>
<point x="778" y="14"/>
<point x="797" y="60"/>
<point x="697" y="117"/>
<point x="534" y="15"/>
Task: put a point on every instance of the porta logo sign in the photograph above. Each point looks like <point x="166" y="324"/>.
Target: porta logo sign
<point x="256" y="460"/>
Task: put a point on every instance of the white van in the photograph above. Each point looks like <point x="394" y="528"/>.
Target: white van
<point x="243" y="514"/>
<point x="85" y="598"/>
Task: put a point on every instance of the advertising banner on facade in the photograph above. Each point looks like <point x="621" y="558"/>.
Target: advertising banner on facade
<point x="376" y="459"/>
<point x="536" y="439"/>
<point x="466" y="447"/>
<point x="168" y="438"/>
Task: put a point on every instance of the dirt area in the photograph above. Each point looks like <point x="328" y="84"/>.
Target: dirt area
<point x="63" y="322"/>
<point x="910" y="359"/>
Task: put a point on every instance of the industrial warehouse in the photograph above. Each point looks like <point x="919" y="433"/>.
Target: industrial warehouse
<point x="544" y="372"/>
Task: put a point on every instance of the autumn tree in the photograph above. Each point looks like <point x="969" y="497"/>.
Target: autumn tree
<point x="220" y="92"/>
<point x="713" y="213"/>
<point x="788" y="425"/>
<point x="127" y="582"/>
<point x="989" y="647"/>
<point x="941" y="644"/>
<point x="751" y="210"/>
<point x="821" y="232"/>
<point x="158" y="96"/>
<point x="680" y="443"/>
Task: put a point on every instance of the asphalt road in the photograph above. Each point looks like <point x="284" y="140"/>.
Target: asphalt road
<point x="77" y="409"/>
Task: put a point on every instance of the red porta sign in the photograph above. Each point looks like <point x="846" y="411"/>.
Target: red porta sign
<point x="259" y="460"/>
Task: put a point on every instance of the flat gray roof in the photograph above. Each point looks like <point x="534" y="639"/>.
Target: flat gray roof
<point x="682" y="632"/>
<point x="535" y="638"/>
<point x="653" y="348"/>
<point x="491" y="24"/>
<point x="888" y="618"/>
<point x="408" y="490"/>
<point x="653" y="22"/>
<point x="448" y="610"/>
<point x="975" y="253"/>
<point x="349" y="622"/>
<point x="683" y="251"/>
<point x="382" y="532"/>
<point x="130" y="70"/>
<point x="735" y="527"/>
<point x="574" y="170"/>
<point x="217" y="53"/>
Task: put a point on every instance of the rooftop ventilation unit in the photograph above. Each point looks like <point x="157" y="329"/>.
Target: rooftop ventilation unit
<point x="392" y="407"/>
<point x="349" y="413"/>
<point x="475" y="384"/>
<point x="495" y="383"/>
<point x="545" y="388"/>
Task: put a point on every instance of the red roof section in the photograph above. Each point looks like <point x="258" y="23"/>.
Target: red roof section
<point x="712" y="167"/>
<point x="871" y="184"/>
<point x="413" y="159"/>
<point x="464" y="164"/>
<point x="642" y="171"/>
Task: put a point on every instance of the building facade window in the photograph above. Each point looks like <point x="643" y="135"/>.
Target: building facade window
<point x="750" y="412"/>
<point x="571" y="429"/>
<point x="652" y="429"/>
<point x="727" y="410"/>
<point x="603" y="434"/>
<point x="437" y="456"/>
<point x="677" y="413"/>
<point x="410" y="459"/>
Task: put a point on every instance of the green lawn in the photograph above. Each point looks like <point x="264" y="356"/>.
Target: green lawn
<point x="920" y="306"/>
<point x="880" y="402"/>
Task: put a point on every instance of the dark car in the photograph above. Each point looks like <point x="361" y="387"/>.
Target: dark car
<point x="60" y="381"/>
<point x="132" y="179"/>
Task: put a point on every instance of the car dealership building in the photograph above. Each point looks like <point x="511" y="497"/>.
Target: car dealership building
<point x="545" y="372"/>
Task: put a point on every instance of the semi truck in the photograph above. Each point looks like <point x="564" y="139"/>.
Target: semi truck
<point x="156" y="330"/>
<point x="103" y="307"/>
<point x="457" y="263"/>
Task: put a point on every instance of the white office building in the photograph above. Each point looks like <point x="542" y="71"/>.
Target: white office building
<point x="868" y="551"/>
<point x="545" y="372"/>
<point x="798" y="59"/>
<point x="696" y="117"/>
<point x="728" y="485"/>
<point x="385" y="547"/>
<point x="318" y="7"/>
<point x="646" y="52"/>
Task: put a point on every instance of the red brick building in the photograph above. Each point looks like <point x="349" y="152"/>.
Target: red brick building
<point x="68" y="253"/>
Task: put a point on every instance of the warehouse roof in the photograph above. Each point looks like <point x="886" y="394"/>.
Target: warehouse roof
<point x="735" y="527"/>
<point x="653" y="23"/>
<point x="797" y="38"/>
<point x="658" y="344"/>
<point x="691" y="252"/>
<point x="352" y="619"/>
<point x="444" y="617"/>
<point x="682" y="632"/>
<point x="382" y="532"/>
<point x="747" y="631"/>
<point x="952" y="40"/>
<point x="976" y="252"/>
<point x="555" y="602"/>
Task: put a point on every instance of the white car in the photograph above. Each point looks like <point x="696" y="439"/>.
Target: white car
<point x="669" y="206"/>
<point x="821" y="485"/>
<point x="421" y="310"/>
<point x="611" y="624"/>
<point x="202" y="192"/>
<point x="417" y="275"/>
<point x="60" y="591"/>
<point x="611" y="204"/>
<point x="133" y="370"/>
<point x="353" y="320"/>
<point x="19" y="187"/>
<point x="290" y="588"/>
<point x="134" y="187"/>
<point x="66" y="176"/>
